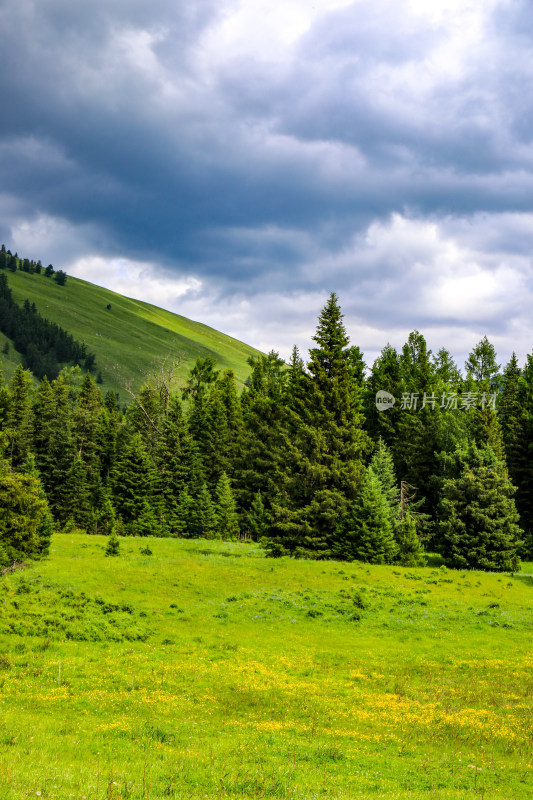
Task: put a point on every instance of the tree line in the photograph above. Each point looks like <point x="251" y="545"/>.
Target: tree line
<point x="301" y="459"/>
<point x="13" y="263"/>
<point x="44" y="344"/>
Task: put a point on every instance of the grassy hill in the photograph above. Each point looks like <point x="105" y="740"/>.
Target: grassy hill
<point x="207" y="670"/>
<point x="131" y="339"/>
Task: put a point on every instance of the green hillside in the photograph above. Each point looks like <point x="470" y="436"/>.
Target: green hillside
<point x="130" y="340"/>
<point x="206" y="670"/>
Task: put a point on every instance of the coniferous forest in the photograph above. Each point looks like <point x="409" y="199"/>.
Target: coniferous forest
<point x="301" y="460"/>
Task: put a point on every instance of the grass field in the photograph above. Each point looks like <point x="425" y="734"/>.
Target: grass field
<point x="206" y="670"/>
<point x="131" y="339"/>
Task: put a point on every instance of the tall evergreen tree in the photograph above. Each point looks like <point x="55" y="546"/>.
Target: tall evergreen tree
<point x="478" y="518"/>
<point x="325" y="443"/>
<point x="481" y="363"/>
<point x="206" y="516"/>
<point x="19" y="423"/>
<point x="383" y="468"/>
<point x="134" y="479"/>
<point x="520" y="443"/>
<point x="366" y="533"/>
<point x="226" y="510"/>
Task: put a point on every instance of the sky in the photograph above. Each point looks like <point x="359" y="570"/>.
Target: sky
<point x="235" y="161"/>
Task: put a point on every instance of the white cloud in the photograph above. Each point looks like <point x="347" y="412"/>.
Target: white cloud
<point x="136" y="279"/>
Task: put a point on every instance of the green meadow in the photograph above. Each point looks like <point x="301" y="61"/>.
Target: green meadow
<point x="131" y="340"/>
<point x="206" y="670"/>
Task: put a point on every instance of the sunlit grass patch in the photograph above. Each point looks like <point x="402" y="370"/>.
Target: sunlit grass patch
<point x="260" y="678"/>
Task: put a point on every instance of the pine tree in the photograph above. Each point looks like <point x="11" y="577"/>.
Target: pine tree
<point x="88" y="425"/>
<point x="186" y="519"/>
<point x="481" y="363"/>
<point x="383" y="467"/>
<point x="113" y="545"/>
<point x="174" y="460"/>
<point x="324" y="443"/>
<point x="522" y="455"/>
<point x="46" y="527"/>
<point x="77" y="507"/>
<point x="23" y="516"/>
<point x="367" y="534"/>
<point x="55" y="450"/>
<point x="147" y="523"/>
<point x="133" y="479"/>
<point x="410" y="551"/>
<point x="257" y="518"/>
<point x="19" y="423"/>
<point x="223" y="428"/>
<point x="226" y="510"/>
<point x="510" y="413"/>
<point x="478" y="518"/>
<point x="206" y="514"/>
<point x="260" y="460"/>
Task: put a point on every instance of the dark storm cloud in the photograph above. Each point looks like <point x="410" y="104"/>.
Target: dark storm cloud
<point x="377" y="151"/>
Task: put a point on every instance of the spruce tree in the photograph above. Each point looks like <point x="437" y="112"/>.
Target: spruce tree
<point x="260" y="449"/>
<point x="481" y="363"/>
<point x="257" y="518"/>
<point x="55" y="451"/>
<point x="206" y="514"/>
<point x="366" y="533"/>
<point x="113" y="545"/>
<point x="410" y="551"/>
<point x="477" y="515"/>
<point x="19" y="423"/>
<point x="133" y="479"/>
<point x="521" y="443"/>
<point x="383" y="467"/>
<point x="24" y="527"/>
<point x="324" y="443"/>
<point x="226" y="510"/>
<point x="174" y="460"/>
<point x="186" y="522"/>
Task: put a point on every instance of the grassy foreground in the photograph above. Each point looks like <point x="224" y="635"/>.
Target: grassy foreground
<point x="131" y="339"/>
<point x="205" y="670"/>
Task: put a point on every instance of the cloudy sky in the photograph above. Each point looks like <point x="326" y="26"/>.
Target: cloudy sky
<point x="237" y="160"/>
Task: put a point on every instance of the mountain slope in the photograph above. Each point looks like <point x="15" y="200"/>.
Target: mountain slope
<point x="132" y="338"/>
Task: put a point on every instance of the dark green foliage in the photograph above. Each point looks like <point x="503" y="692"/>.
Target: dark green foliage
<point x="256" y="518"/>
<point x="386" y="376"/>
<point x="284" y="461"/>
<point x="206" y="518"/>
<point x="185" y="519"/>
<point x="19" y="422"/>
<point x="410" y="551"/>
<point x="147" y="524"/>
<point x="383" y="467"/>
<point x="323" y="446"/>
<point x="259" y="460"/>
<point x="134" y="480"/>
<point x="226" y="510"/>
<point x="60" y="277"/>
<point x="477" y="515"/>
<point x="522" y="458"/>
<point x="481" y="363"/>
<point x="366" y="533"/>
<point x="113" y="545"/>
<point x="25" y="525"/>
